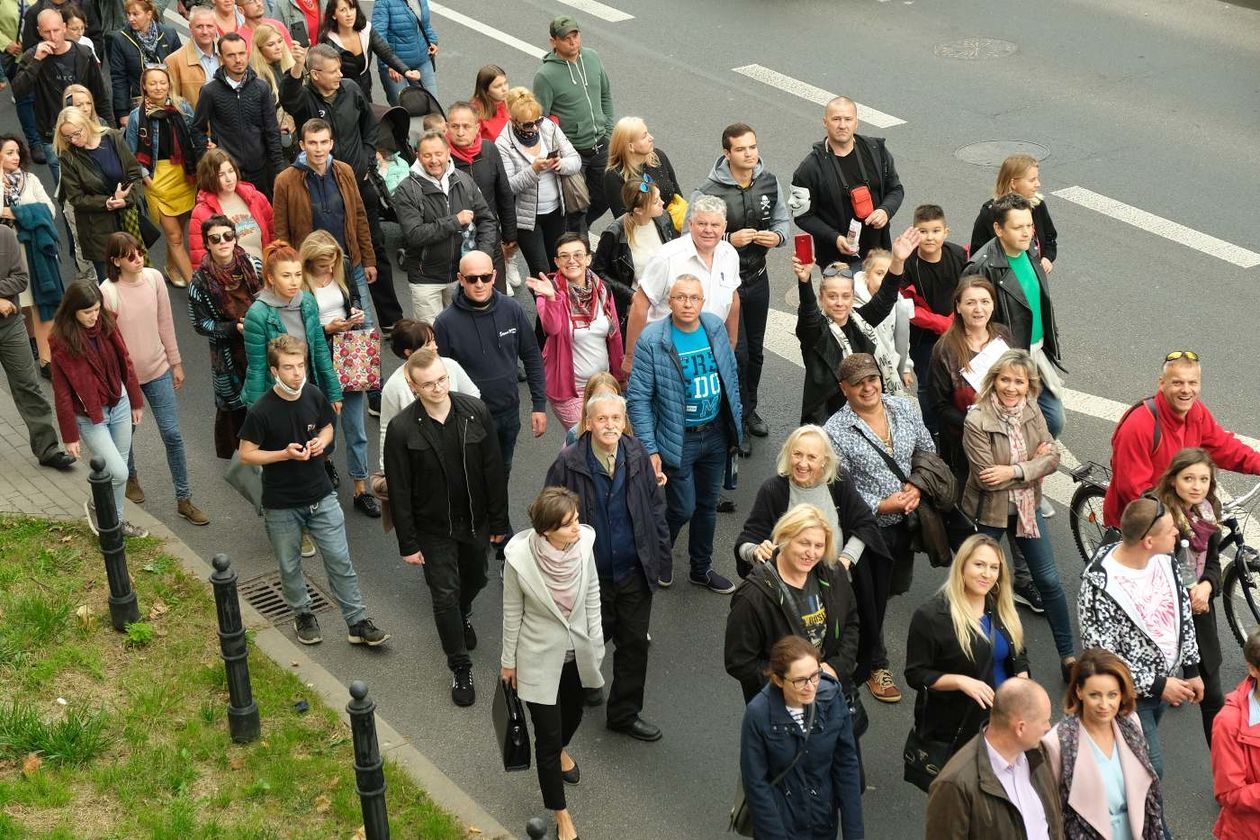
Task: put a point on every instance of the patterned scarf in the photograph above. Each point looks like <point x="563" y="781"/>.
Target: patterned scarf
<point x="181" y="141"/>
<point x="148" y="42"/>
<point x="583" y="302"/>
<point x="13" y="186"/>
<point x="1025" y="498"/>
<point x="232" y="283"/>
<point x="560" y="567"/>
<point x="1198" y="524"/>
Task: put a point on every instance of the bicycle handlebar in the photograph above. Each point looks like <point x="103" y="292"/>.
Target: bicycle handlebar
<point x="1237" y="503"/>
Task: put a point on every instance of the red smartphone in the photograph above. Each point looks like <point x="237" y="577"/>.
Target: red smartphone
<point x="805" y="248"/>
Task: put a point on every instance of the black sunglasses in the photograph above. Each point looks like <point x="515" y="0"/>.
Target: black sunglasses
<point x="479" y="278"/>
<point x="216" y="238"/>
<point x="1160" y="510"/>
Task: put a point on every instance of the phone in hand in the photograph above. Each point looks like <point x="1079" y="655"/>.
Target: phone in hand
<point x="297" y="31"/>
<point x="553" y="154"/>
<point x="804" y="243"/>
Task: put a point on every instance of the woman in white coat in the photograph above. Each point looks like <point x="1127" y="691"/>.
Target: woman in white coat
<point x="553" y="638"/>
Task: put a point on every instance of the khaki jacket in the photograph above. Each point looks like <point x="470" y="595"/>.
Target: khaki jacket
<point x="986" y="444"/>
<point x="187" y="74"/>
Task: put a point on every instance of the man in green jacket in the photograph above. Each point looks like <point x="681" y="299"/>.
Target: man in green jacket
<point x="572" y="87"/>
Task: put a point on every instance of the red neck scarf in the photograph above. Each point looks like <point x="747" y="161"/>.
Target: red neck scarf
<point x="467" y="155"/>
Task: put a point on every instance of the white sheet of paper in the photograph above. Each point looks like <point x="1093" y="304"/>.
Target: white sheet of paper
<point x="983" y="361"/>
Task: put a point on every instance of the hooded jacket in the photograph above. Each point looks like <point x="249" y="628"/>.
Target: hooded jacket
<point x="348" y="112"/>
<point x="1011" y="307"/>
<point x="487" y="341"/>
<point x="579" y="96"/>
<point x="759" y="206"/>
<point x="242" y="120"/>
<point x="32" y="80"/>
<point x="292" y="215"/>
<point x="1236" y="767"/>
<point x="416" y="474"/>
<point x="262" y="324"/>
<point x="433" y="235"/>
<point x="127" y="61"/>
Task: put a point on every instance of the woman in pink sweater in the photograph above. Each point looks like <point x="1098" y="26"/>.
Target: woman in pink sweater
<point x="136" y="296"/>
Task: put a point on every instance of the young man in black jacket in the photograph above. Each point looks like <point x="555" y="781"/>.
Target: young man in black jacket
<point x="481" y="160"/>
<point x="836" y="176"/>
<point x="621" y="498"/>
<point x="239" y="112"/>
<point x="448" y="500"/>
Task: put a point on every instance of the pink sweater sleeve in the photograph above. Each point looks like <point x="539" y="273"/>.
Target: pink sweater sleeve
<point x="166" y="323"/>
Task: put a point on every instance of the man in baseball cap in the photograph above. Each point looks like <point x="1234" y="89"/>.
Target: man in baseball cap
<point x="564" y="25"/>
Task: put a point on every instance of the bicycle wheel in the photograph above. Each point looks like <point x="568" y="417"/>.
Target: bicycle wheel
<point x="1242" y="617"/>
<point x="1085" y="514"/>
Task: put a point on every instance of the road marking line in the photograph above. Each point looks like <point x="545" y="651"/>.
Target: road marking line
<point x="599" y="10"/>
<point x="177" y="20"/>
<point x="804" y="90"/>
<point x="489" y="31"/>
<point x="1160" y="226"/>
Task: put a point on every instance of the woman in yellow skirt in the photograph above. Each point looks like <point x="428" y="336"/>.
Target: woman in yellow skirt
<point x="159" y="132"/>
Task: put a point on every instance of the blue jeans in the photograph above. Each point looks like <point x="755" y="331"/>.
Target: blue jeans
<point x="111" y="439"/>
<point x="25" y="106"/>
<point x="326" y="524"/>
<point x="921" y="355"/>
<point x="354" y="432"/>
<point x="160" y="395"/>
<point x="1045" y="574"/>
<point x="359" y="278"/>
<point x="1052" y="407"/>
<point x="54" y="166"/>
<point x="1149" y="711"/>
<point x="691" y="494"/>
<point x="428" y="78"/>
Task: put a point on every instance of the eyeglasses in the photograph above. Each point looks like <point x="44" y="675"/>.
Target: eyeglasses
<point x="479" y="278"/>
<point x="73" y="135"/>
<point x="800" y="682"/>
<point x="440" y="382"/>
<point x="216" y="238"/>
<point x="1160" y="510"/>
<point x="687" y="298"/>
<point x="1181" y="354"/>
<point x="574" y="256"/>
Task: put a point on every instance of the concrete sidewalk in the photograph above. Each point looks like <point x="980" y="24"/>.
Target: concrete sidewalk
<point x="27" y="488"/>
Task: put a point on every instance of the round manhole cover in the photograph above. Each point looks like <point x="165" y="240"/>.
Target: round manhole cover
<point x="975" y="49"/>
<point x="993" y="152"/>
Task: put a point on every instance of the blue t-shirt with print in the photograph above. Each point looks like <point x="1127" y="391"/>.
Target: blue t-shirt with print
<point x="704" y="386"/>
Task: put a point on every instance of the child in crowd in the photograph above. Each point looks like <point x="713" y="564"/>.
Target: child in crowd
<point x="893" y="333"/>
<point x="389" y="163"/>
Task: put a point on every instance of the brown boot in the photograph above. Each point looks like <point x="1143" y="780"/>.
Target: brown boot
<point x="134" y="492"/>
<point x="191" y="512"/>
<point x="882" y="688"/>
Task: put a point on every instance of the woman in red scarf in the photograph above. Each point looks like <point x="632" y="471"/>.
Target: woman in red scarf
<point x="578" y="314"/>
<point x="159" y="134"/>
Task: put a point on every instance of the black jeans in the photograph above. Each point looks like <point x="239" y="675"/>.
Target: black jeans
<point x="626" y="610"/>
<point x="754" y="308"/>
<point x="872" y="581"/>
<point x="263" y="179"/>
<point x="593" y="166"/>
<point x="1213" y="698"/>
<point x="455" y="571"/>
<point x="538" y="246"/>
<point x="554" y="726"/>
<point x="384" y="295"/>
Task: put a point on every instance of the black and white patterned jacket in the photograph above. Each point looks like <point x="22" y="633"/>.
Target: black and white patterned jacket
<point x="1108" y="621"/>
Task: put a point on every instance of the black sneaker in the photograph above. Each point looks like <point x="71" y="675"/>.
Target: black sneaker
<point x="368" y="505"/>
<point x="725" y="504"/>
<point x="367" y="633"/>
<point x="712" y="581"/>
<point x="307" y="629"/>
<point x="374" y="403"/>
<point x="331" y="469"/>
<point x="756" y="425"/>
<point x="462" y="691"/>
<point x="1029" y="597"/>
<point x="470" y="635"/>
<point x="666" y="579"/>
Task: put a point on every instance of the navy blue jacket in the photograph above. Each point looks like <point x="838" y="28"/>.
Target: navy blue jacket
<point x="486" y="343"/>
<point x="826" y="779"/>
<point x="644" y="498"/>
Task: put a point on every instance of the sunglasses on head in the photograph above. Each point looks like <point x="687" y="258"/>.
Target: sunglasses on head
<point x="835" y="270"/>
<point x="1177" y="355"/>
<point x="1160" y="510"/>
<point x="479" y="278"/>
<point x="216" y="238"/>
<point x="645" y="183"/>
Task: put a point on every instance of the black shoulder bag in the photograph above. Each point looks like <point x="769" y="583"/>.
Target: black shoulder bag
<point x="741" y="817"/>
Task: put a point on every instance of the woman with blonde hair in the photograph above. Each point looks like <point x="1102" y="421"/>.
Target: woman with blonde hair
<point x="1020" y="174"/>
<point x="1009" y="451"/>
<point x="99" y="176"/>
<point x="633" y="156"/>
<point x="535" y="154"/>
<point x="340" y="310"/>
<point x="144" y="42"/>
<point x="80" y="97"/>
<point x="159" y="132"/>
<point x="963" y="643"/>
<point x="271" y="59"/>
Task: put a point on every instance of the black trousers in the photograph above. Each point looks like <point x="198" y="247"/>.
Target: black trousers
<point x="626" y="610"/>
<point x="455" y="571"/>
<point x="538" y="246"/>
<point x="554" y="726"/>
<point x="872" y="581"/>
<point x="1209" y="669"/>
<point x="754" y="308"/>
<point x="384" y="295"/>
<point x="593" y="165"/>
<point x="264" y="179"/>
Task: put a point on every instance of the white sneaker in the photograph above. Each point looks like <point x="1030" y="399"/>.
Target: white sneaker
<point x="1047" y="509"/>
<point x="513" y="275"/>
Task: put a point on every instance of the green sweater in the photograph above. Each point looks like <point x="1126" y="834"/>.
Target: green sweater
<point x="262" y="324"/>
<point x="578" y="94"/>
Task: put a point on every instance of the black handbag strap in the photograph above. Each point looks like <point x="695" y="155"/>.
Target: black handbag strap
<point x="988" y="678"/>
<point x="839" y="170"/>
<point x="888" y="459"/>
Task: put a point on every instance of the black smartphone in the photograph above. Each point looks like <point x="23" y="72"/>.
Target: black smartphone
<point x="297" y="31"/>
<point x="553" y="154"/>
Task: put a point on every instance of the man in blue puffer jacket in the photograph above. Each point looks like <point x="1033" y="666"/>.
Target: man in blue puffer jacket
<point x="405" y="25"/>
<point x="683" y="400"/>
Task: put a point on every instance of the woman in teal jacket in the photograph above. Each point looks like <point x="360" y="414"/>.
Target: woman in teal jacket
<point x="283" y="308"/>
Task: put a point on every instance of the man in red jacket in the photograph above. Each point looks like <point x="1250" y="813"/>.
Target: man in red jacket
<point x="1139" y="456"/>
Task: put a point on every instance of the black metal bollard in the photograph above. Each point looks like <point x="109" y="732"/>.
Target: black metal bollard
<point x="369" y="768"/>
<point x="243" y="722"/>
<point x="536" y="829"/>
<point x="123" y="608"/>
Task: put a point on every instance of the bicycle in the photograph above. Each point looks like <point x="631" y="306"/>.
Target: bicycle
<point x="1240" y="575"/>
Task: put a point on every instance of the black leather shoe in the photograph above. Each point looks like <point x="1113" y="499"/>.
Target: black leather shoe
<point x="638" y="728"/>
<point x="58" y="461"/>
<point x="368" y="505"/>
<point x="756" y="425"/>
<point x="573" y="776"/>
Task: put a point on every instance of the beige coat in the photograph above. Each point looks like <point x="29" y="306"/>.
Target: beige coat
<point x="986" y="445"/>
<point x="1088" y="797"/>
<point x="187" y="74"/>
<point x="536" y="635"/>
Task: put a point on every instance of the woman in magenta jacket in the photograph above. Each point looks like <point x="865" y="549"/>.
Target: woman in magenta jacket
<point x="579" y="316"/>
<point x="220" y="191"/>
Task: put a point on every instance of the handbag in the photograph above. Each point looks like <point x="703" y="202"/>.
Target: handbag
<point x="575" y="193"/>
<point x="246" y="479"/>
<point x="356" y="358"/>
<point x="510" y="730"/>
<point x="741" y="817"/>
<point x="923" y="758"/>
<point x="677" y="210"/>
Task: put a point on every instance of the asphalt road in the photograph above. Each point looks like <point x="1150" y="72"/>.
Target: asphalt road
<point x="1150" y="103"/>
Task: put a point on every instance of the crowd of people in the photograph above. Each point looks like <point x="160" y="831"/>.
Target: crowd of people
<point x="931" y="401"/>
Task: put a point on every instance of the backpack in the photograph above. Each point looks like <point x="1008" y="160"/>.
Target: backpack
<point x="109" y="290"/>
<point x="1149" y="402"/>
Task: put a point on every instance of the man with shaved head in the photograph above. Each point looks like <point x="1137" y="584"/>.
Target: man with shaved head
<point x="846" y="177"/>
<point x="999" y="785"/>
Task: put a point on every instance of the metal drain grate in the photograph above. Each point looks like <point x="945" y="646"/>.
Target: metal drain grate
<point x="265" y="594"/>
